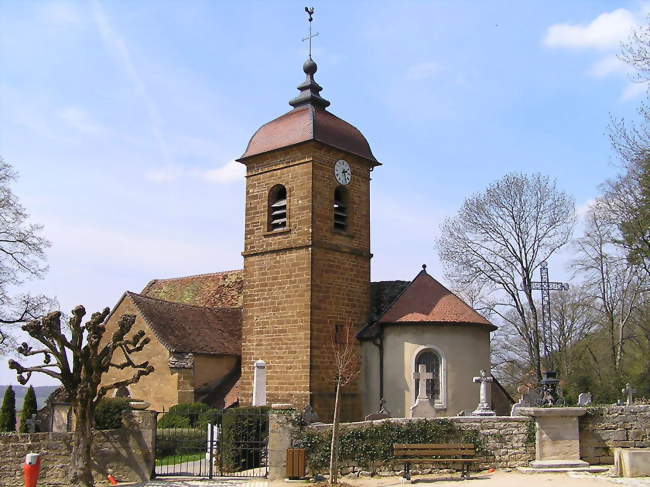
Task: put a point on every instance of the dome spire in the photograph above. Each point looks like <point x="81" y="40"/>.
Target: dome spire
<point x="309" y="89"/>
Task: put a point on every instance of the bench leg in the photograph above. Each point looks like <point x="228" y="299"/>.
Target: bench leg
<point x="407" y="471"/>
<point x="464" y="473"/>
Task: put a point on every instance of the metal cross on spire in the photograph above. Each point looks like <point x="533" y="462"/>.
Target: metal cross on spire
<point x="310" y="13"/>
<point x="546" y="287"/>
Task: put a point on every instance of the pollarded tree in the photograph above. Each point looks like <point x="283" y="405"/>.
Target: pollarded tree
<point x="499" y="239"/>
<point x="22" y="257"/>
<point x="79" y="361"/>
<point x="29" y="409"/>
<point x="8" y="411"/>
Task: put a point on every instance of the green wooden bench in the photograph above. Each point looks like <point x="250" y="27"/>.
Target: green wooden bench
<point x="462" y="454"/>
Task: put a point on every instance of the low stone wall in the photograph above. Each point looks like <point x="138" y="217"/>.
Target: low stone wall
<point x="127" y="453"/>
<point x="605" y="428"/>
<point x="509" y="439"/>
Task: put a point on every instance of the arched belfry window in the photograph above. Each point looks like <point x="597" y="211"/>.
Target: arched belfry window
<point x="340" y="208"/>
<point x="277" y="218"/>
<point x="431" y="360"/>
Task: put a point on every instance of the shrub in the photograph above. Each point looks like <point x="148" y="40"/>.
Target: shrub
<point x="244" y="433"/>
<point x="184" y="415"/>
<point x="372" y="445"/>
<point x="8" y="411"/>
<point x="108" y="414"/>
<point x="180" y="442"/>
<point x="29" y="409"/>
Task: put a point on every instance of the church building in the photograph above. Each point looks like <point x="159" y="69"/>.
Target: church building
<point x="306" y="277"/>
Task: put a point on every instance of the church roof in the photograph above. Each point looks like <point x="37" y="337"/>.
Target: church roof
<point x="424" y="300"/>
<point x="218" y="289"/>
<point x="184" y="328"/>
<point x="309" y="120"/>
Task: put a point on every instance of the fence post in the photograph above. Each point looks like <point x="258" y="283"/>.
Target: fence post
<point x="210" y="466"/>
<point x="282" y="423"/>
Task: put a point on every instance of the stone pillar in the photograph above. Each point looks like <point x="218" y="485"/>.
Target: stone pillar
<point x="557" y="439"/>
<point x="283" y="419"/>
<point x="259" y="383"/>
<point x="141" y="428"/>
<point x="61" y="418"/>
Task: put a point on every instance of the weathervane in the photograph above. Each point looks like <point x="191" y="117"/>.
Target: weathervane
<point x="310" y="13"/>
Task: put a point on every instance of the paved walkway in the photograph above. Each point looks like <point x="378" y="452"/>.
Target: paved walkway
<point x="482" y="479"/>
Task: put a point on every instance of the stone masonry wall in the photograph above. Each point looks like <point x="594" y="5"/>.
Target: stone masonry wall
<point x="126" y="453"/>
<point x="510" y="440"/>
<point x="605" y="428"/>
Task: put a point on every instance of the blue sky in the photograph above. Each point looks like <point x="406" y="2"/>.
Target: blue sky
<point x="123" y="118"/>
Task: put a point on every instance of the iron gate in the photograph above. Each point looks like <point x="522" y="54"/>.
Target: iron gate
<point x="212" y="443"/>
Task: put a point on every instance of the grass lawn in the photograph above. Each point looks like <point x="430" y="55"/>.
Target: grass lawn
<point x="176" y="459"/>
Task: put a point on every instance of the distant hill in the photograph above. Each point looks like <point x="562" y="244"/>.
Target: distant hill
<point x="42" y="393"/>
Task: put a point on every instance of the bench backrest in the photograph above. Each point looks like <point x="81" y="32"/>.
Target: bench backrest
<point x="424" y="450"/>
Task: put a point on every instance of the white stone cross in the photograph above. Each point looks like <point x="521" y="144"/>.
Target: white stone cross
<point x="31" y="423"/>
<point x="629" y="390"/>
<point x="422" y="375"/>
<point x="483" y="408"/>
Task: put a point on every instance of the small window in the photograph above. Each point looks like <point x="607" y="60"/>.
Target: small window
<point x="277" y="218"/>
<point x="432" y="362"/>
<point x="340" y="208"/>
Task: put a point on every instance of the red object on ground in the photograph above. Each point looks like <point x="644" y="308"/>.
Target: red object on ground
<point x="31" y="473"/>
<point x="492" y="470"/>
<point x="112" y="480"/>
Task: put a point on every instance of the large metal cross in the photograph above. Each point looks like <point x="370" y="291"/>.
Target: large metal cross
<point x="545" y="286"/>
<point x="310" y="13"/>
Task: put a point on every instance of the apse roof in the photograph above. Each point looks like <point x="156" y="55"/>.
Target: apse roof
<point x="424" y="301"/>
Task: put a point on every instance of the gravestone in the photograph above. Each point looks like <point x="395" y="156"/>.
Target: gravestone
<point x="423" y="407"/>
<point x="483" y="408"/>
<point x="629" y="391"/>
<point x="584" y="399"/>
<point x="31" y="423"/>
<point x="383" y="413"/>
<point x="309" y="416"/>
<point x="259" y="384"/>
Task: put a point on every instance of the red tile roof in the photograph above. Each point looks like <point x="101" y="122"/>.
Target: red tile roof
<point x="218" y="289"/>
<point x="306" y="123"/>
<point x="192" y="329"/>
<point x="426" y="300"/>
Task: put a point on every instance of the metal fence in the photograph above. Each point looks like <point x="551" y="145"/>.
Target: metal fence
<point x="197" y="441"/>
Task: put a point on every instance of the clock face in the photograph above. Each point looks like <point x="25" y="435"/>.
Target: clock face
<point x="342" y="172"/>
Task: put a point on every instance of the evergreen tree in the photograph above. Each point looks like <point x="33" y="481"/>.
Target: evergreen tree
<point x="8" y="411"/>
<point x="29" y="409"/>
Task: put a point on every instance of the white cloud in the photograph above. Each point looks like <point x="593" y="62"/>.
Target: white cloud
<point x="232" y="171"/>
<point x="634" y="90"/>
<point x="604" y="32"/>
<point x="607" y="66"/>
<point x="423" y="70"/>
<point x="79" y="119"/>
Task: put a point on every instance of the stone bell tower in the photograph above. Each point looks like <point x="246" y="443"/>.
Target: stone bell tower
<point x="307" y="250"/>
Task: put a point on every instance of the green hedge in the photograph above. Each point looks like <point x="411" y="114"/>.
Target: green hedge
<point x="245" y="431"/>
<point x="370" y="446"/>
<point x="108" y="414"/>
<point x="180" y="442"/>
<point x="190" y="415"/>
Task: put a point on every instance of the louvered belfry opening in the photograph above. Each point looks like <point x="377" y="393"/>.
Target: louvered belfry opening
<point x="340" y="208"/>
<point x="277" y="208"/>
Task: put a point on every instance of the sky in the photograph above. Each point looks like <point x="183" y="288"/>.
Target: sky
<point x="124" y="119"/>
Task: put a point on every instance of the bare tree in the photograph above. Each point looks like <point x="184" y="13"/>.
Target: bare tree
<point x="499" y="238"/>
<point x="80" y="361"/>
<point x="22" y="257"/>
<point x="615" y="286"/>
<point x="573" y="320"/>
<point x="345" y="351"/>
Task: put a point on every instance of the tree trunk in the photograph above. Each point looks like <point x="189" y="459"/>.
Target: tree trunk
<point x="81" y="462"/>
<point x="334" y="448"/>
